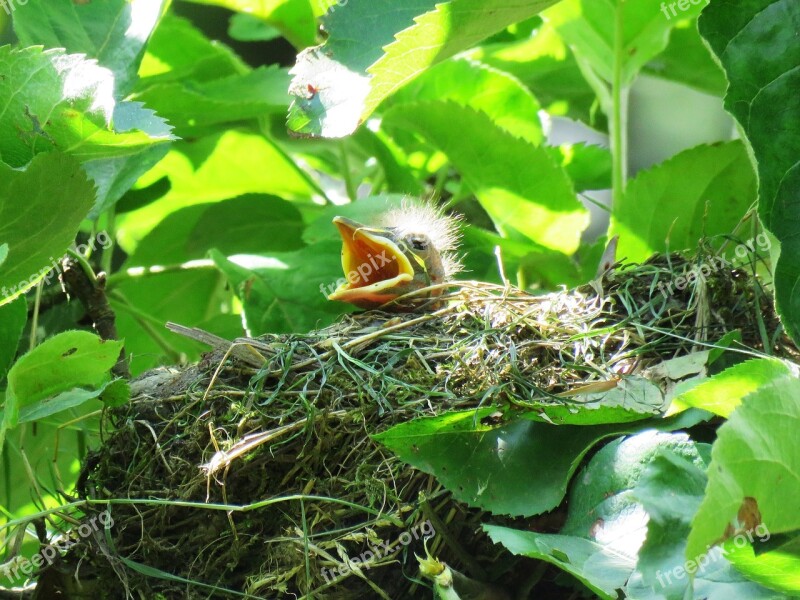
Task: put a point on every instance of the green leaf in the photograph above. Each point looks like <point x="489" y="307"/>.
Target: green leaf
<point x="762" y="96"/>
<point x="217" y="167"/>
<point x="3" y="253"/>
<point x="376" y="46"/>
<point x="112" y="31"/>
<point x="664" y="209"/>
<point x="549" y="267"/>
<point x="249" y="224"/>
<point x="591" y="29"/>
<point x="180" y="52"/>
<point x="671" y="489"/>
<point x="50" y="470"/>
<point x="546" y="65"/>
<point x="244" y="27"/>
<point x="723" y="392"/>
<point x="688" y="60"/>
<point x="469" y="83"/>
<point x="602" y="572"/>
<point x="190" y="105"/>
<point x="633" y="398"/>
<point x="527" y="195"/>
<point x="777" y="568"/>
<point x="12" y="321"/>
<point x="74" y="359"/>
<point x="293" y="18"/>
<point x="41" y="209"/>
<point x="400" y="177"/>
<point x="68" y="360"/>
<point x="650" y="480"/>
<point x="755" y="456"/>
<point x="115" y="176"/>
<point x="589" y="167"/>
<point x="286" y="291"/>
<point x="604" y="503"/>
<point x="189" y="293"/>
<point x="116" y="393"/>
<point x="56" y="101"/>
<point x="73" y="398"/>
<point x="463" y="455"/>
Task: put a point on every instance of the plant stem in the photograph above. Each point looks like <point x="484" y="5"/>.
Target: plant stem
<point x="619" y="113"/>
<point x="136" y="272"/>
<point x="84" y="264"/>
<point x="35" y="321"/>
<point x="105" y="259"/>
<point x="349" y="184"/>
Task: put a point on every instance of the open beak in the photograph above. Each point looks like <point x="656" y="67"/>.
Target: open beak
<point x="374" y="265"/>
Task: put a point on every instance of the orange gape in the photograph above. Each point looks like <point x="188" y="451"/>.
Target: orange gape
<point x="383" y="263"/>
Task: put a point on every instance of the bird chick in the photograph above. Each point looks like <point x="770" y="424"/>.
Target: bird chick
<point x="411" y="249"/>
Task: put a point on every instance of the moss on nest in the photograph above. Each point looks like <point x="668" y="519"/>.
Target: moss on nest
<point x="256" y="478"/>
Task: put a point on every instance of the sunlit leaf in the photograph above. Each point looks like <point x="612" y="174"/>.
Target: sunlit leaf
<point x="611" y="34"/>
<point x="754" y="457"/>
<point x="179" y="51"/>
<point x="665" y="209"/>
<point x="671" y="489"/>
<point x="589" y="167"/>
<point x="192" y="105"/>
<point x="41" y="209"/>
<point x="218" y="167"/>
<point x="56" y="101"/>
<point x="601" y="572"/>
<point x="632" y="398"/>
<point x="470" y="83"/>
<point x="527" y="195"/>
<point x="375" y="47"/>
<point x="777" y="568"/>
<point x="294" y="18"/>
<point x="112" y="31"/>
<point x="722" y="393"/>
<point x="115" y="176"/>
<point x="605" y="528"/>
<point x="546" y="65"/>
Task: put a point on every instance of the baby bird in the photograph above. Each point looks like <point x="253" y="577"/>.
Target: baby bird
<point x="413" y="248"/>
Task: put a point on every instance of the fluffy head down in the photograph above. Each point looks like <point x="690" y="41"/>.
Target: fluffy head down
<point x="425" y="219"/>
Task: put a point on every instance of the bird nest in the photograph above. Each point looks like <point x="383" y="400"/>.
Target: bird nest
<point x="255" y="471"/>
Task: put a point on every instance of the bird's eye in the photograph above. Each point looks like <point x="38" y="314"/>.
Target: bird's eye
<point x="419" y="244"/>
